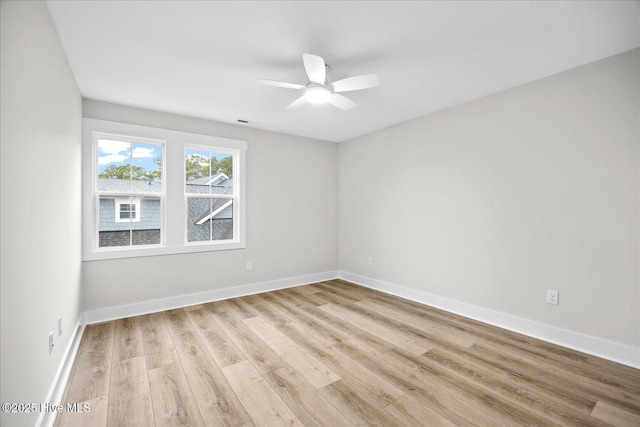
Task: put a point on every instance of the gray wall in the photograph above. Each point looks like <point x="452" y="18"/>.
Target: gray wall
<point x="40" y="112"/>
<point x="495" y="201"/>
<point x="292" y="187"/>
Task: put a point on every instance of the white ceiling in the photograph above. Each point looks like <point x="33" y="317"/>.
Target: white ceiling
<point x="202" y="58"/>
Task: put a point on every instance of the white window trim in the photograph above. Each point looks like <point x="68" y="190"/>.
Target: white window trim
<point x="135" y="201"/>
<point x="216" y="177"/>
<point x="173" y="200"/>
<point x="214" y="213"/>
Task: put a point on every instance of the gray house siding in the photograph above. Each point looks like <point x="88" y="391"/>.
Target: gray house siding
<point x="147" y="230"/>
<point x="150" y="216"/>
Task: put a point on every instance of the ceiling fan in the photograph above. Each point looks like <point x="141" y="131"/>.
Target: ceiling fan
<point x="319" y="91"/>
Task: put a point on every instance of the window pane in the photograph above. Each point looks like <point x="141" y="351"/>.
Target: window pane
<point x="114" y="166"/>
<point x="208" y="172"/>
<point x="112" y="233"/>
<point x="129" y="167"/>
<point x="146" y="168"/>
<point x="137" y="223"/>
<point x="209" y="219"/>
<point x="147" y="230"/>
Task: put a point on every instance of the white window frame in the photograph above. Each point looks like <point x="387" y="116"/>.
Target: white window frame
<point x="132" y="201"/>
<point x="233" y="198"/>
<point x="173" y="205"/>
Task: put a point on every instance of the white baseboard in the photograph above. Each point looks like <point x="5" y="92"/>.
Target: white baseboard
<point x="46" y="419"/>
<point x="619" y="353"/>
<point x="609" y="350"/>
<point x="153" y="306"/>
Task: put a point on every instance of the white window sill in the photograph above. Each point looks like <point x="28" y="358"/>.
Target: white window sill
<point x="156" y="250"/>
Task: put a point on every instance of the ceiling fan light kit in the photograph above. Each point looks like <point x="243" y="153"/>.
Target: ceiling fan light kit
<point x="319" y="91"/>
<point x="317" y="94"/>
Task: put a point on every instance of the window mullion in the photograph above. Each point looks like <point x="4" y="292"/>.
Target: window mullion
<point x="116" y="144"/>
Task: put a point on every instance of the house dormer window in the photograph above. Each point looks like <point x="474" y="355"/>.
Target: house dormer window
<point x="127" y="209"/>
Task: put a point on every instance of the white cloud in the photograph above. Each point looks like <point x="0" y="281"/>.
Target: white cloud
<point x="112" y="151"/>
<point x="142" y="153"/>
<point x="113" y="147"/>
<point x="112" y="158"/>
<point x="119" y="151"/>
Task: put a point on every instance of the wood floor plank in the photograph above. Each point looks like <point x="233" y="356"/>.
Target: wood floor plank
<point x="264" y="405"/>
<point x="333" y="288"/>
<point x="412" y="412"/>
<point x="320" y="332"/>
<point x="559" y="372"/>
<point x="156" y="341"/>
<point x="440" y="333"/>
<point x="343" y="329"/>
<point x="485" y="400"/>
<point x="310" y="368"/>
<point x="265" y="310"/>
<point x="254" y="349"/>
<point x="305" y="401"/>
<point x="397" y="338"/>
<point x="285" y="313"/>
<point x="615" y="416"/>
<point x="92" y="372"/>
<point x="535" y="350"/>
<point x="506" y="390"/>
<point x="346" y="329"/>
<point x="378" y="390"/>
<point x="220" y="346"/>
<point x="335" y="354"/>
<point x="535" y="376"/>
<point x="357" y="409"/>
<point x="130" y="401"/>
<point x="173" y="401"/>
<point x="178" y="322"/>
<point x="307" y="296"/>
<point x="127" y="339"/>
<point x="216" y="401"/>
<point x="95" y="417"/>
<point x="240" y="309"/>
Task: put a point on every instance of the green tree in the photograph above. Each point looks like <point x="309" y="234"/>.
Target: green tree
<point x="124" y="172"/>
<point x="226" y="166"/>
<point x="158" y="172"/>
<point x="197" y="166"/>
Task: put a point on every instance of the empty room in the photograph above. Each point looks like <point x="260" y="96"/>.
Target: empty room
<point x="320" y="213"/>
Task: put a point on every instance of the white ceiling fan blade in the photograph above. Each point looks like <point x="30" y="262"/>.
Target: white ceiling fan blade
<point x="341" y="102"/>
<point x="280" y="84"/>
<point x="356" y="83"/>
<point x="315" y="68"/>
<point x="297" y="103"/>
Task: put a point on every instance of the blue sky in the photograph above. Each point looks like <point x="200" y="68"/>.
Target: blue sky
<point x="123" y="153"/>
<point x="111" y="152"/>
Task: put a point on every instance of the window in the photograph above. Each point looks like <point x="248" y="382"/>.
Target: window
<point x="128" y="171"/>
<point x="151" y="191"/>
<point x="127" y="209"/>
<point x="210" y="193"/>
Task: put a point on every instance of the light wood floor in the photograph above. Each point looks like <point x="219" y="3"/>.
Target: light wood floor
<point x="336" y="354"/>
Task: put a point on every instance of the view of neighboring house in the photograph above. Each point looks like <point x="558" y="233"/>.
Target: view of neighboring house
<point x="137" y="220"/>
<point x="209" y="218"/>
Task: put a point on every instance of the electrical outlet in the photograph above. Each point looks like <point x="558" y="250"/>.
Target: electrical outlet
<point x="50" y="342"/>
<point x="552" y="297"/>
<point x="370" y="260"/>
<point x="249" y="266"/>
<point x="59" y="325"/>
